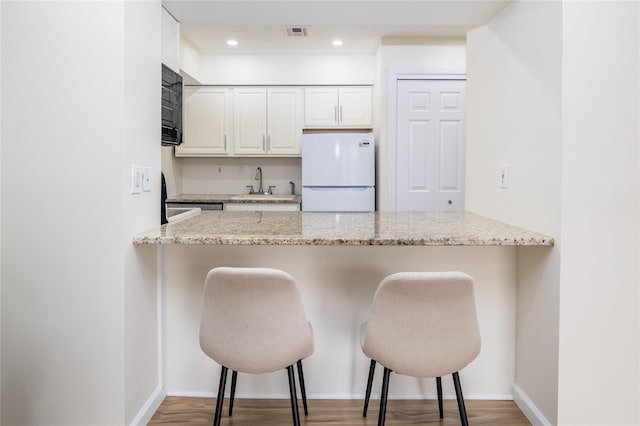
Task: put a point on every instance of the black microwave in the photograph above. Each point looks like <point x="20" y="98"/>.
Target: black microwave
<point x="171" y="107"/>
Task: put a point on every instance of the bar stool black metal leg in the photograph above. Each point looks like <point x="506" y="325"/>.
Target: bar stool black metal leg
<point x="219" y="402"/>
<point x="439" y="388"/>
<point x="294" y="398"/>
<point x="383" y="397"/>
<point x="303" y="391"/>
<point x="367" y="394"/>
<point x="460" y="398"/>
<point x="234" y="378"/>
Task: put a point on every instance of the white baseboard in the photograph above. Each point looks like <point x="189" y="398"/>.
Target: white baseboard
<point x="338" y="396"/>
<point x="193" y="394"/>
<point x="529" y="409"/>
<point x="149" y="408"/>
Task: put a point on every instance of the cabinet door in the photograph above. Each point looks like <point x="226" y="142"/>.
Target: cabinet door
<point x="207" y="122"/>
<point x="355" y="106"/>
<point x="284" y="121"/>
<point x="321" y="107"/>
<point x="250" y="120"/>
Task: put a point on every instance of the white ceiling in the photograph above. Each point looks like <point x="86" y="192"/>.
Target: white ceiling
<point x="258" y="25"/>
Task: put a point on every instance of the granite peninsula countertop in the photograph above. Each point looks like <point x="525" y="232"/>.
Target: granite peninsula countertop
<point x="372" y="229"/>
<point x="228" y="198"/>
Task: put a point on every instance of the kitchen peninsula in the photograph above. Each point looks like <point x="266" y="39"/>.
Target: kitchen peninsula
<point x="371" y="228"/>
<point x="338" y="260"/>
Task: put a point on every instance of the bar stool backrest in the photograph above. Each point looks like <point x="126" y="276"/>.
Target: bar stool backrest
<point x="423" y="324"/>
<point x="253" y="320"/>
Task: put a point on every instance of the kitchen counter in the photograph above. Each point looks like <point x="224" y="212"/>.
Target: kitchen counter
<point x="349" y="229"/>
<point x="228" y="198"/>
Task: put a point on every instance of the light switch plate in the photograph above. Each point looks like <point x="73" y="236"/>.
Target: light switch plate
<point x="146" y="179"/>
<point x="136" y="179"/>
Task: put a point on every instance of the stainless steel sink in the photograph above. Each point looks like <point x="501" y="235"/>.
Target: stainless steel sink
<point x="264" y="197"/>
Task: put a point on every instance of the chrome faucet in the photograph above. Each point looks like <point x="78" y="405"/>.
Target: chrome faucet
<point x="259" y="177"/>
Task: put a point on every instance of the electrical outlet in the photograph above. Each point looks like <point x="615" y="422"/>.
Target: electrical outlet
<point x="240" y="170"/>
<point x="136" y="179"/>
<point x="219" y="170"/>
<point x="504" y="176"/>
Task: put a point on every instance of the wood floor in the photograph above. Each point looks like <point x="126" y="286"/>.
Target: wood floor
<point x="277" y="412"/>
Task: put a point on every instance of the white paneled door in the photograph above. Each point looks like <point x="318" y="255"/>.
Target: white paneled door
<point x="430" y="145"/>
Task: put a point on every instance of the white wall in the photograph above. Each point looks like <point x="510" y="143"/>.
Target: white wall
<point x="190" y="62"/>
<point x="514" y="117"/>
<point x="75" y="296"/>
<point x="599" y="329"/>
<point x="172" y="169"/>
<point x="297" y="68"/>
<point x="141" y="146"/>
<point x="430" y="54"/>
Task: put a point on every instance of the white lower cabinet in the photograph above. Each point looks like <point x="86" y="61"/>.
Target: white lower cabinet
<point x="289" y="207"/>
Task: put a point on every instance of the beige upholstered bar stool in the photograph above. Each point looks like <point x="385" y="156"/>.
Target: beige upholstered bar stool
<point x="422" y="324"/>
<point x="253" y="321"/>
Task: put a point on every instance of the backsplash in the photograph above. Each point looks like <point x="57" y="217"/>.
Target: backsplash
<point x="232" y="175"/>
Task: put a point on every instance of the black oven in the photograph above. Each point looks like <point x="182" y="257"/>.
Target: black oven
<point x="171" y="107"/>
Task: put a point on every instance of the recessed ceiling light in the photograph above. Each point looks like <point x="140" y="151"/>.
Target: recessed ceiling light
<point x="232" y="42"/>
<point x="337" y="43"/>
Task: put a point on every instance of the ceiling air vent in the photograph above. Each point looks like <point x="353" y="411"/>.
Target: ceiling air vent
<point x="296" y="31"/>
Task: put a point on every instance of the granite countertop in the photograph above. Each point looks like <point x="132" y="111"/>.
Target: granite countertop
<point x="228" y="198"/>
<point x="311" y="228"/>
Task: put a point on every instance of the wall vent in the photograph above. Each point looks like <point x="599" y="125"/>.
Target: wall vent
<point x="296" y="31"/>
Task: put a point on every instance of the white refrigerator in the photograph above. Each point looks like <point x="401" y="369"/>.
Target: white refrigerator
<point x="338" y="172"/>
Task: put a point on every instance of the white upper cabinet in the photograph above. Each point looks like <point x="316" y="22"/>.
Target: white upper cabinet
<point x="285" y="113"/>
<point x="355" y="106"/>
<point x="321" y="106"/>
<point x="250" y="120"/>
<point x="348" y="107"/>
<point x="207" y="122"/>
<point x="267" y="121"/>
